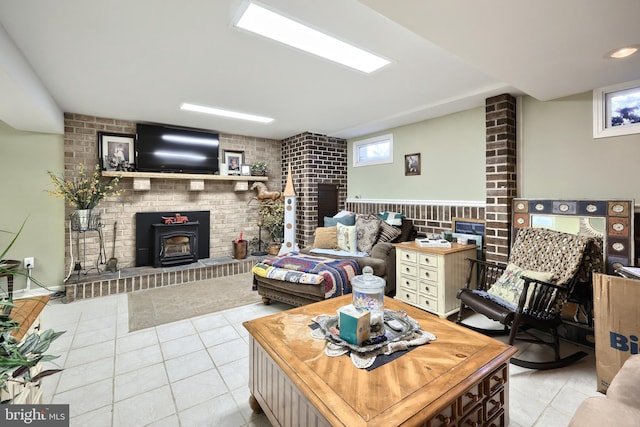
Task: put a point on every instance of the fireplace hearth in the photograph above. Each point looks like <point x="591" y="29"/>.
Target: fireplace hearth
<point x="159" y="244"/>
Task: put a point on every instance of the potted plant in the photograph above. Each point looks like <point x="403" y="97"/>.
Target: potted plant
<point x="272" y="214"/>
<point x="18" y="357"/>
<point x="83" y="193"/>
<point x="259" y="168"/>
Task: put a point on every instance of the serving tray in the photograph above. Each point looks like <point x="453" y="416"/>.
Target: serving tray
<point x="407" y="325"/>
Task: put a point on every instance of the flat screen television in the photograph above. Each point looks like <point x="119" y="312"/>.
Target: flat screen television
<point x="165" y="148"/>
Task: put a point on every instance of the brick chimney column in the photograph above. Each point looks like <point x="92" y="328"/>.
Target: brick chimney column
<point x="501" y="174"/>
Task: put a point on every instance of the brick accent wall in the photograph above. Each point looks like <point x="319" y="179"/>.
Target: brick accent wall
<point x="501" y="174"/>
<point x="231" y="211"/>
<point x="314" y="159"/>
<point x="427" y="218"/>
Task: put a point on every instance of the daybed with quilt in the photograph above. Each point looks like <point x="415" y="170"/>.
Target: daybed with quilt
<point x="304" y="277"/>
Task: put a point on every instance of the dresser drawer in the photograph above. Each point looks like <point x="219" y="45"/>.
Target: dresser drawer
<point x="428" y="289"/>
<point x="408" y="282"/>
<point x="407" y="256"/>
<point x="407" y="296"/>
<point x="408" y="269"/>
<point x="428" y="303"/>
<point x="428" y="260"/>
<point x="428" y="274"/>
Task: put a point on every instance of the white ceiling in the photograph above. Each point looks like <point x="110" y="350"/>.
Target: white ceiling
<point x="139" y="60"/>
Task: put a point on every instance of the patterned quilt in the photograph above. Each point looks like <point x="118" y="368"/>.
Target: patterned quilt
<point x="336" y="274"/>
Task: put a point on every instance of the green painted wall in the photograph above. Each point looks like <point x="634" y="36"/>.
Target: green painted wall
<point x="559" y="158"/>
<point x="452" y="152"/>
<point x="24" y="161"/>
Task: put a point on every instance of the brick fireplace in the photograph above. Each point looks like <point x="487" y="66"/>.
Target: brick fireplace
<point x="230" y="210"/>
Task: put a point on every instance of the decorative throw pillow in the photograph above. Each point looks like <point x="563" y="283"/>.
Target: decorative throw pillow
<point x="367" y="227"/>
<point x="347" y="237"/>
<point x="326" y="238"/>
<point x="346" y="220"/>
<point x="509" y="286"/>
<point x="391" y="218"/>
<point x="388" y="232"/>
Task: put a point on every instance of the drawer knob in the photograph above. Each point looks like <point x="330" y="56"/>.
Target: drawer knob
<point x="474" y="397"/>
<point x="496" y="403"/>
<point x="406" y="256"/>
<point x="445" y="420"/>
<point x="426" y="273"/>
<point x="498" y="379"/>
<point x="426" y="288"/>
<point x="426" y="259"/>
<point x="407" y="269"/>
<point x="408" y="296"/>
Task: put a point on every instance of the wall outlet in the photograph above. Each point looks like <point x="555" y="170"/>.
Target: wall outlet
<point x="29" y="262"/>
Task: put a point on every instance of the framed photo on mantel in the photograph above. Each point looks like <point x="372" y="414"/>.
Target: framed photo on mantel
<point x="233" y="160"/>
<point x="117" y="151"/>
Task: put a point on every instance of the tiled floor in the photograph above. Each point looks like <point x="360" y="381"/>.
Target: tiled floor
<point x="195" y="372"/>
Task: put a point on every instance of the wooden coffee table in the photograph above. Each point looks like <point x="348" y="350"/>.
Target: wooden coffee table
<point x="460" y="379"/>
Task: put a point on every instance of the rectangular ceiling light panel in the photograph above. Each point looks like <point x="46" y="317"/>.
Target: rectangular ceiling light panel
<point x="266" y="23"/>
<point x="225" y="113"/>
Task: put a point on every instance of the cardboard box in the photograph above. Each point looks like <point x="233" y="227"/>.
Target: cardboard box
<point x="354" y="324"/>
<point x="617" y="324"/>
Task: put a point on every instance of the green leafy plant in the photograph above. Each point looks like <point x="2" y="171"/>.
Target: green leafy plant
<point x="84" y="191"/>
<point x="18" y="357"/>
<point x="259" y="168"/>
<point x="272" y="214"/>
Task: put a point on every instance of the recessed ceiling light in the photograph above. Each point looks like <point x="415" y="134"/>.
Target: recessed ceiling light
<point x="623" y="52"/>
<point x="274" y="26"/>
<point x="225" y="113"/>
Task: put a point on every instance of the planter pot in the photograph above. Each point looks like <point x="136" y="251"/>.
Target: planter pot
<point x="274" y="248"/>
<point x="81" y="220"/>
<point x="240" y="249"/>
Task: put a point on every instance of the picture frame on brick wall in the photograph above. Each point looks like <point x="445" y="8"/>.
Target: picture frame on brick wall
<point x="117" y="151"/>
<point x="412" y="164"/>
<point x="616" y="111"/>
<point x="233" y="160"/>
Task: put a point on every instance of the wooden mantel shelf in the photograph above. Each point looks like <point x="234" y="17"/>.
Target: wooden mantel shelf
<point x="142" y="180"/>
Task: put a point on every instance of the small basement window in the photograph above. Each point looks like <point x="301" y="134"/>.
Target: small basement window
<point x="373" y="151"/>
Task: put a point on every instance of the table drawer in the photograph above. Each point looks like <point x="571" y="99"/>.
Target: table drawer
<point x="429" y="304"/>
<point x="470" y="398"/>
<point x="428" y="289"/>
<point x="428" y="260"/>
<point x="408" y="269"/>
<point x="407" y="296"/>
<point x="428" y="274"/>
<point x="497" y="379"/>
<point x="408" y="282"/>
<point x="407" y="256"/>
<point x="444" y="419"/>
<point x="494" y="404"/>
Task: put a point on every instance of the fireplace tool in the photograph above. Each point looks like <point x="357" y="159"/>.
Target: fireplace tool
<point x="112" y="264"/>
<point x="259" y="252"/>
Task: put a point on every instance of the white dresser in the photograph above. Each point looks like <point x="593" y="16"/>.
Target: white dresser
<point x="429" y="278"/>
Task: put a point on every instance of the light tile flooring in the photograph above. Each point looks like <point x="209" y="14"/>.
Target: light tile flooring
<point x="195" y="372"/>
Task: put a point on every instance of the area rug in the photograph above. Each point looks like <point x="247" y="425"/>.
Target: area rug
<point x="168" y="304"/>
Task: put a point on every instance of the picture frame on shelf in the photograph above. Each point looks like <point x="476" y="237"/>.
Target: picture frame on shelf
<point x="117" y="151"/>
<point x="616" y="111"/>
<point x="233" y="160"/>
<point x="245" y="170"/>
<point x="412" y="164"/>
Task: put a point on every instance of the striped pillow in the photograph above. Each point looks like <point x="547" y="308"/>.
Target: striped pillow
<point x="388" y="232"/>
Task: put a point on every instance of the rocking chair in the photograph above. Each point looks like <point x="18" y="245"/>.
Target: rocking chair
<point x="529" y="293"/>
